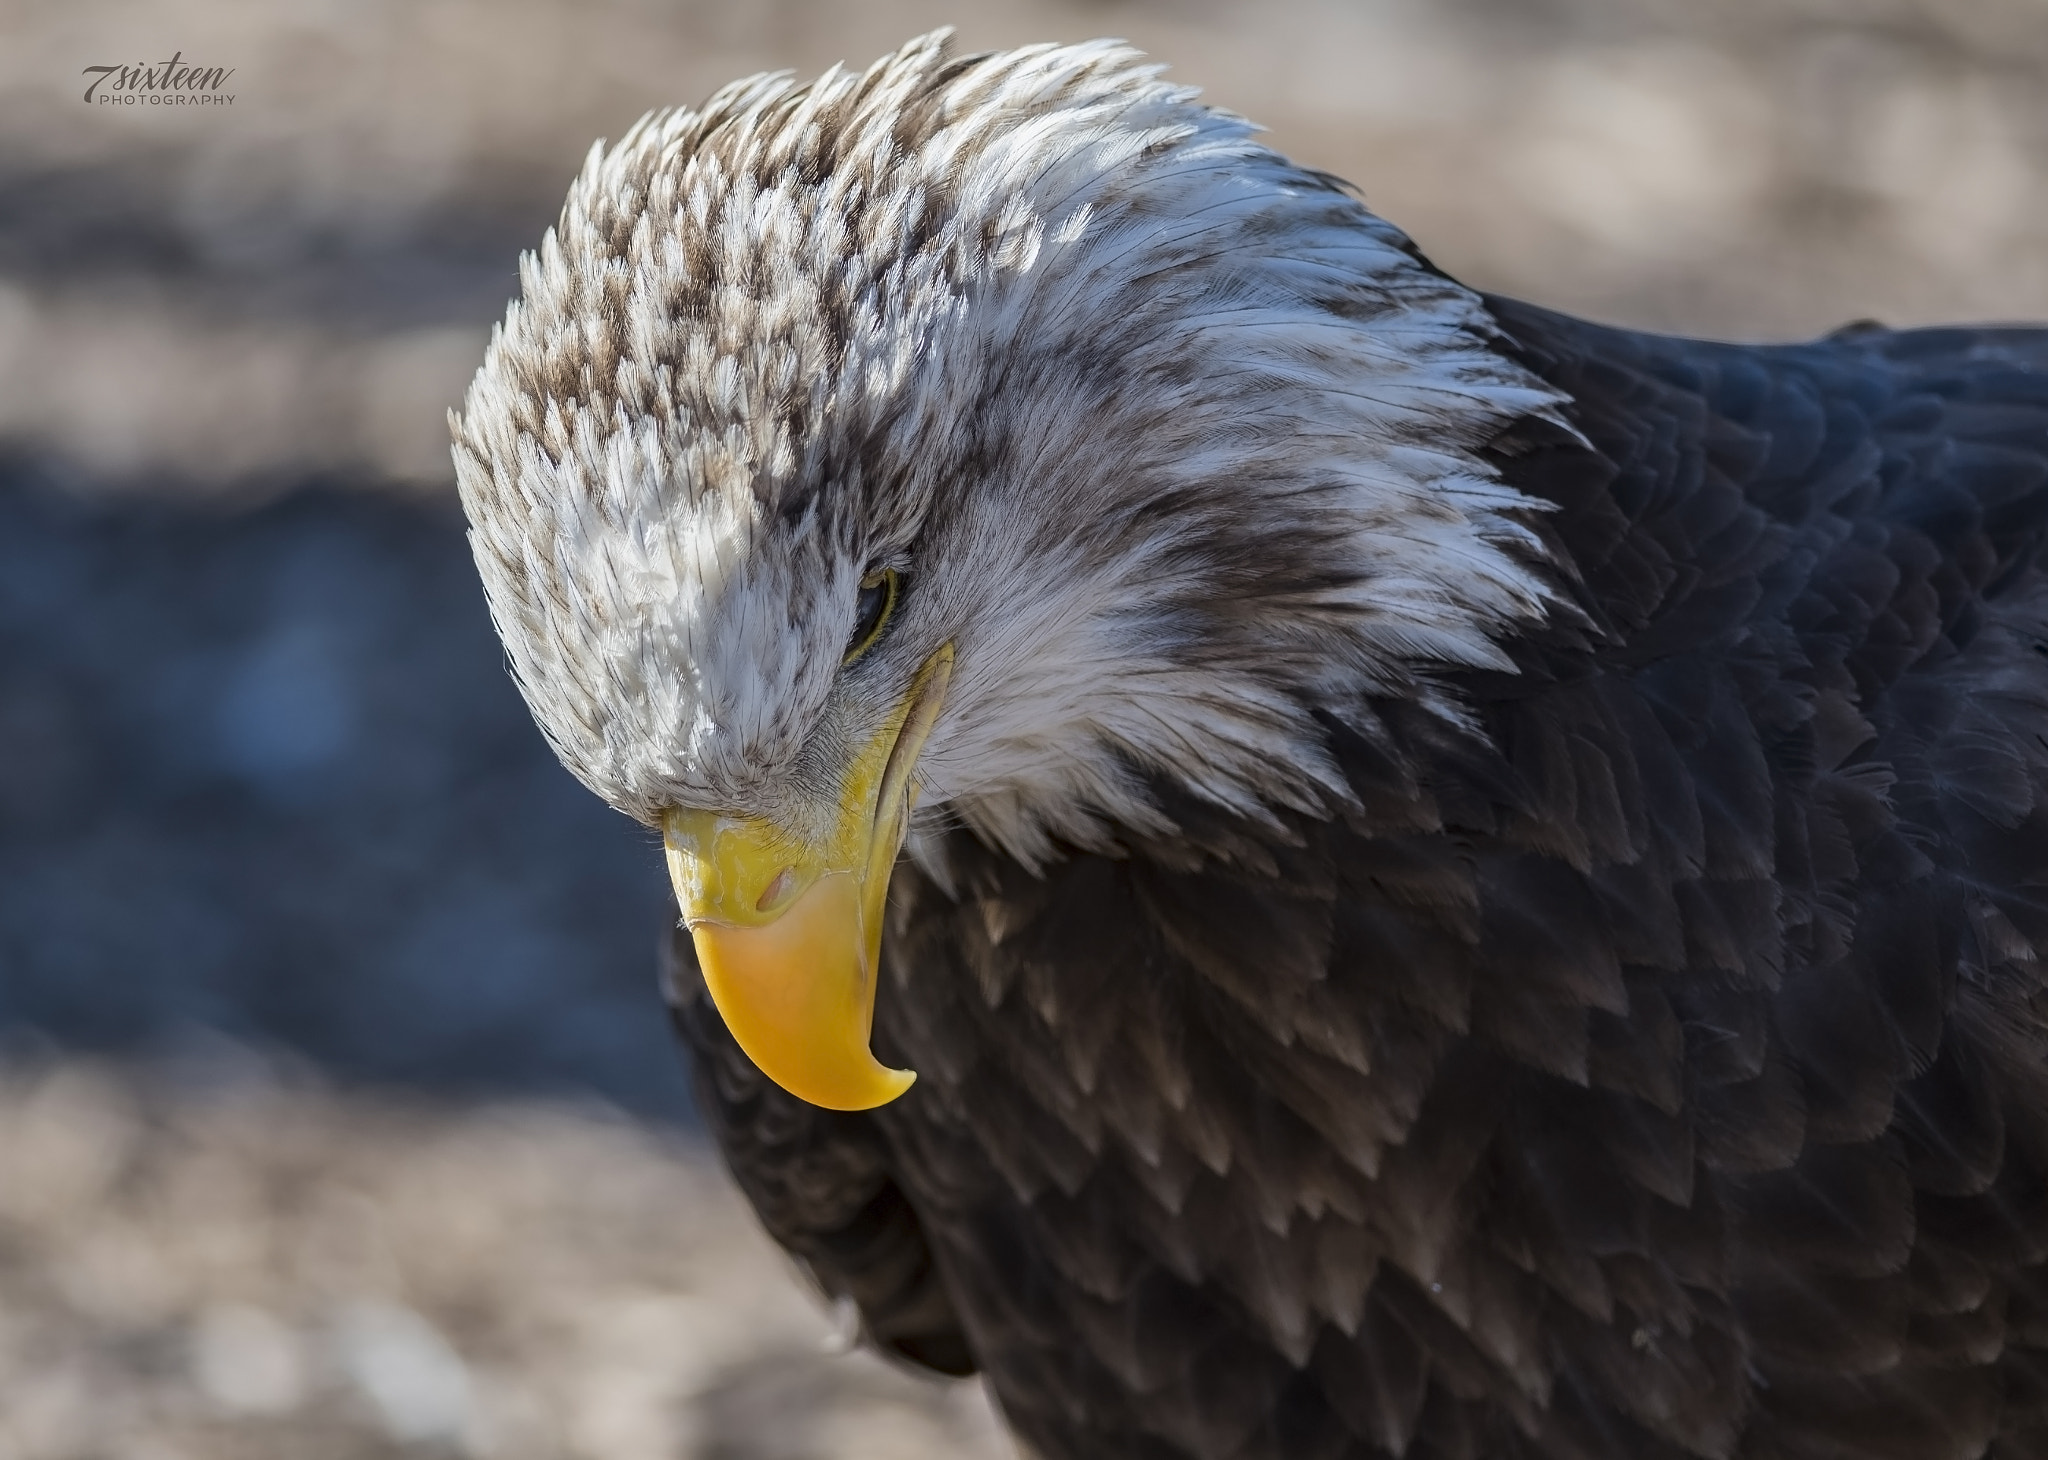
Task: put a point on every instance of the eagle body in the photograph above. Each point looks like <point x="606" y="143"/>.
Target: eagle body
<point x="1651" y="1068"/>
<point x="1479" y="878"/>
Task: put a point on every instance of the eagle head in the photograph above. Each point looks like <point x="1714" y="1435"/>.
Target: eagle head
<point x="1008" y="435"/>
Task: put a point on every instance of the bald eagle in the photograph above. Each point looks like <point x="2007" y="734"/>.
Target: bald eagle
<point x="1472" y="883"/>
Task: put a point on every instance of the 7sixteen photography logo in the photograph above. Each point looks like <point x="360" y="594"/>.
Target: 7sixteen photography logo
<point x="176" y="82"/>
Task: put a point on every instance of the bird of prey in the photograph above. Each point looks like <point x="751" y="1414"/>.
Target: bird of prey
<point x="1472" y="884"/>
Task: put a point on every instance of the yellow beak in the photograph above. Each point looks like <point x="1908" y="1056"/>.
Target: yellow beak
<point x="789" y="928"/>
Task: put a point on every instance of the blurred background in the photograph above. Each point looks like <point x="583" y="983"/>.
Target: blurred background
<point x="337" y="1112"/>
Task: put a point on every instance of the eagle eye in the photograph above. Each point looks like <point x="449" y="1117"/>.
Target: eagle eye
<point x="871" y="611"/>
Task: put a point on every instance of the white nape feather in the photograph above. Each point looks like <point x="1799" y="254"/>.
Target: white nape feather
<point x="1176" y="442"/>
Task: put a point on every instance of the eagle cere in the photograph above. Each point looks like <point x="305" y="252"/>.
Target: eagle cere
<point x="1472" y="879"/>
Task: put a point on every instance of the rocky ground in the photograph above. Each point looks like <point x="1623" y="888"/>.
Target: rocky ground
<point x="222" y="1259"/>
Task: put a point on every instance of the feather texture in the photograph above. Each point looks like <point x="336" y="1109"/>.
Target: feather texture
<point x="1654" y="1069"/>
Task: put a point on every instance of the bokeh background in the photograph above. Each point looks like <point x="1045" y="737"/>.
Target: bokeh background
<point x="337" y="1114"/>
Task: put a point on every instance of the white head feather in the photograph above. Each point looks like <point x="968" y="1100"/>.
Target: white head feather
<point x="1173" y="440"/>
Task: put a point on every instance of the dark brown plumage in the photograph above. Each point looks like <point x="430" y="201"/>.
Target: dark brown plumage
<point x="1654" y="1069"/>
